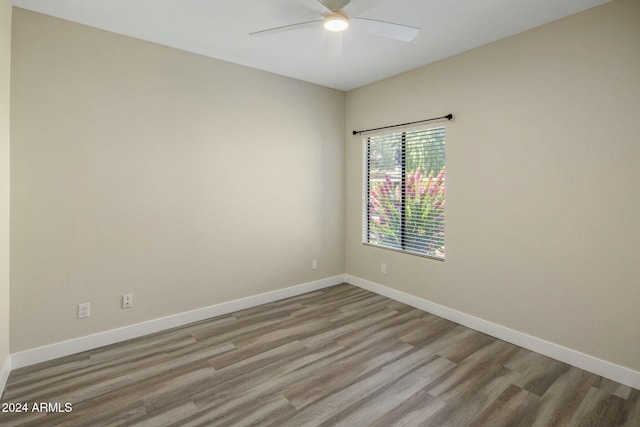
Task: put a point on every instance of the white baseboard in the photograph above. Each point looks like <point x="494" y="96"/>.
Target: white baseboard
<point x="575" y="358"/>
<point x="89" y="342"/>
<point x="572" y="357"/>
<point x="4" y="373"/>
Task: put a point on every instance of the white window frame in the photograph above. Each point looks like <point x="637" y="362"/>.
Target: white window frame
<point x="428" y="243"/>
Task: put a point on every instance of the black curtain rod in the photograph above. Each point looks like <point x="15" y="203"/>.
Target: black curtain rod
<point x="448" y="117"/>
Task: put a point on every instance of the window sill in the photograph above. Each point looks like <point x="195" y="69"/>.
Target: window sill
<point x="403" y="252"/>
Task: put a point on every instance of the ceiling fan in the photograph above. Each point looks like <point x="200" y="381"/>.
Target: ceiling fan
<point x="337" y="16"/>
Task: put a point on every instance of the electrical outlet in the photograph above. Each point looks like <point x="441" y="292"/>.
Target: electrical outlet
<point x="314" y="264"/>
<point x="127" y="300"/>
<point x="383" y="268"/>
<point x="84" y="310"/>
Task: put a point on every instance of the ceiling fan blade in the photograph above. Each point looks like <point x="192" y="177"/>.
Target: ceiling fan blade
<point x="315" y="6"/>
<point x="333" y="47"/>
<point x="292" y="27"/>
<point x="356" y="7"/>
<point x="385" y="29"/>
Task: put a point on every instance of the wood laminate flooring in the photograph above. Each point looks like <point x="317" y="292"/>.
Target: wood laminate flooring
<point x="341" y="356"/>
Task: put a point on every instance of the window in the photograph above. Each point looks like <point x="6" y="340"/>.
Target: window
<point x="404" y="189"/>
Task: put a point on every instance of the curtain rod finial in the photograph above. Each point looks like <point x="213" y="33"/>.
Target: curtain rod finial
<point x="449" y="116"/>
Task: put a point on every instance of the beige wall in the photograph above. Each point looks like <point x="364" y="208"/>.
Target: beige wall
<point x="182" y="179"/>
<point x="543" y="181"/>
<point x="5" y="84"/>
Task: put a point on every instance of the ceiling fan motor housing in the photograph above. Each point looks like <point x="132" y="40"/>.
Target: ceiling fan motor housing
<point x="336" y="22"/>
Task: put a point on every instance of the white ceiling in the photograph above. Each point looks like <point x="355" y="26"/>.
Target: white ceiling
<point x="220" y="28"/>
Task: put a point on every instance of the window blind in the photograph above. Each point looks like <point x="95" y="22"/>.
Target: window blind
<point x="404" y="191"/>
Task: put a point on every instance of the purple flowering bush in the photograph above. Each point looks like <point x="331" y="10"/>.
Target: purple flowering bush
<point x="423" y="213"/>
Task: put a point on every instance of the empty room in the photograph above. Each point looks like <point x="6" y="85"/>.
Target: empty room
<point x="319" y="212"/>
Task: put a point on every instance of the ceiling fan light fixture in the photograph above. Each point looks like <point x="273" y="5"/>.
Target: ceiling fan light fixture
<point x="336" y="22"/>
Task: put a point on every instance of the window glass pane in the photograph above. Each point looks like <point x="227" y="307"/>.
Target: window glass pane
<point x="424" y="192"/>
<point x="385" y="198"/>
